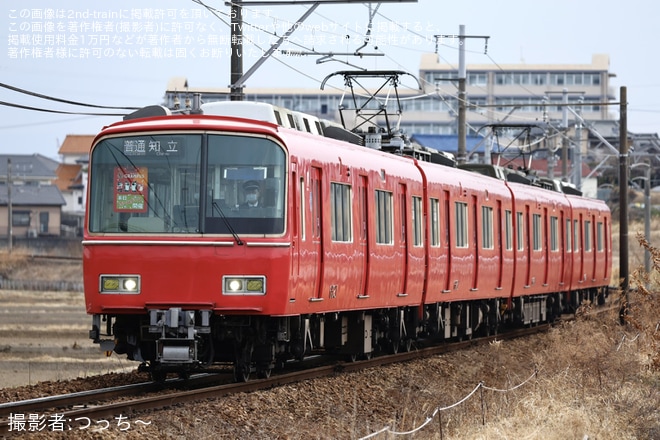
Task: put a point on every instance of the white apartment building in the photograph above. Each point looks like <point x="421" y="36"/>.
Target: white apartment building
<point x="521" y="93"/>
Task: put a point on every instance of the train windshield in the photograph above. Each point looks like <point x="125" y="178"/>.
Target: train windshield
<point x="187" y="184"/>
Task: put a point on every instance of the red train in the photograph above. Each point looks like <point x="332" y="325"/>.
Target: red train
<point x="345" y="248"/>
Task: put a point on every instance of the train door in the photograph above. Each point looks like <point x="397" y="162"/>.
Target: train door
<point x="363" y="237"/>
<point x="500" y="245"/>
<point x="447" y="236"/>
<point x="297" y="197"/>
<point x="545" y="240"/>
<point x="528" y="247"/>
<point x="590" y="248"/>
<point x="475" y="244"/>
<point x="316" y="231"/>
<point x="568" y="252"/>
<point x="562" y="250"/>
<point x="583" y="250"/>
<point x="403" y="209"/>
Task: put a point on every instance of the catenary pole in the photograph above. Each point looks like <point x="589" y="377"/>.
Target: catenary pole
<point x="623" y="201"/>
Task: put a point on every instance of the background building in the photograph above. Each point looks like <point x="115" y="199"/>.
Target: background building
<point x="26" y="187"/>
<point x="511" y="94"/>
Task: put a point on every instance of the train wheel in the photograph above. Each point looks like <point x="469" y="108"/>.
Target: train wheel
<point x="263" y="371"/>
<point x="241" y="373"/>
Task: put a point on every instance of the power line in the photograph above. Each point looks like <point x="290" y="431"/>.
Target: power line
<point x="65" y="101"/>
<point x="63" y="112"/>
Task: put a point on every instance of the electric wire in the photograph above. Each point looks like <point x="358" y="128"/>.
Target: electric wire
<point x="61" y="112"/>
<point x="65" y="101"/>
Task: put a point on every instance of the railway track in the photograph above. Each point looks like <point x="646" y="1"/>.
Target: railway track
<point x="103" y="403"/>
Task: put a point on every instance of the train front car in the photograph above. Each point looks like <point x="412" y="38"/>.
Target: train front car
<point x="185" y="234"/>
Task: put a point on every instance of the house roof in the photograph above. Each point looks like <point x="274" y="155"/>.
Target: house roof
<point x="32" y="195"/>
<point x="68" y="176"/>
<point x="27" y="167"/>
<point x="76" y="144"/>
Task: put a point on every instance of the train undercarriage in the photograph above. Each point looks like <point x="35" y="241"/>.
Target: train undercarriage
<point x="183" y="341"/>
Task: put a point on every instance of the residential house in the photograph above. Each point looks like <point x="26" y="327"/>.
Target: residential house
<point x="28" y="192"/>
<point x="72" y="180"/>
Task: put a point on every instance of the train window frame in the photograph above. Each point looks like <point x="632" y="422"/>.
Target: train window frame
<point x="341" y="212"/>
<point x="508" y="229"/>
<point x="587" y="235"/>
<point x="417" y="217"/>
<point x="569" y="245"/>
<point x="520" y="229"/>
<point x="487" y="241"/>
<point x="554" y="233"/>
<point x="537" y="232"/>
<point x="600" y="247"/>
<point x="434" y="209"/>
<point x="384" y="217"/>
<point x="576" y="235"/>
<point x="461" y="217"/>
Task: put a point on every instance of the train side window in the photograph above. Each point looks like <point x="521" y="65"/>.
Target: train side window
<point x="569" y="246"/>
<point x="576" y="236"/>
<point x="508" y="230"/>
<point x="384" y="217"/>
<point x="461" y="211"/>
<point x="537" y="232"/>
<point x="435" y="222"/>
<point x="599" y="237"/>
<point x="520" y="229"/>
<point x="417" y="221"/>
<point x="341" y="213"/>
<point x="587" y="236"/>
<point x="554" y="238"/>
<point x="487" y="227"/>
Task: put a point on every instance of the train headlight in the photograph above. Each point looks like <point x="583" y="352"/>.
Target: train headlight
<point x="234" y="285"/>
<point x="120" y="284"/>
<point x="243" y="285"/>
<point x="130" y="284"/>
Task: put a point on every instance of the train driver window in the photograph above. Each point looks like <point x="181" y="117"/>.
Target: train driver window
<point x="137" y="181"/>
<point x="245" y="186"/>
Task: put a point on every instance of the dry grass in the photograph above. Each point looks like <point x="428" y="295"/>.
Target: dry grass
<point x="19" y="265"/>
<point x="597" y="379"/>
<point x="11" y="263"/>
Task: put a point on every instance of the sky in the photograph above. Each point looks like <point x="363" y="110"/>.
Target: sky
<point x="121" y="53"/>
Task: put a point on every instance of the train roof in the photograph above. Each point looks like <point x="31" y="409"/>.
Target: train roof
<point x="299" y="121"/>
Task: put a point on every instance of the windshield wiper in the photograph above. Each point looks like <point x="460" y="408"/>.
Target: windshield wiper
<point x="225" y="220"/>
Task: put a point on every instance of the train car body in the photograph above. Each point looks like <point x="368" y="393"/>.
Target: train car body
<point x="345" y="249"/>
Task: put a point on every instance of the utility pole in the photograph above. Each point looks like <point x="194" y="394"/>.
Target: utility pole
<point x="564" y="125"/>
<point x="236" y="66"/>
<point x="565" y="140"/>
<point x="462" y="98"/>
<point x="623" y="201"/>
<point x="462" y="93"/>
<point x="237" y="76"/>
<point x="577" y="153"/>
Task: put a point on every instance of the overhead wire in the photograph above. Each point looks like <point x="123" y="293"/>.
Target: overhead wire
<point x="62" y="112"/>
<point x="65" y="101"/>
